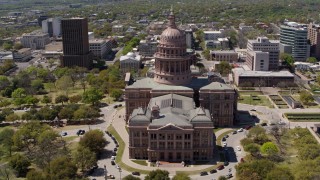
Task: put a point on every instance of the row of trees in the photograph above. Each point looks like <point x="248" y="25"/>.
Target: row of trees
<point x="40" y="146"/>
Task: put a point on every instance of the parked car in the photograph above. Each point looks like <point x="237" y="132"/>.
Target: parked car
<point x="223" y="139"/>
<point x="240" y="130"/>
<point x="115" y="106"/>
<point x="238" y="148"/>
<point x="228" y="176"/>
<point x="213" y="171"/>
<point x="203" y="173"/>
<point x="224" y="144"/>
<point x="115" y="149"/>
<point x="220" y="167"/>
<point x="64" y="133"/>
<point x="82" y="132"/>
<point x="226" y="136"/>
<point x="253" y="110"/>
<point x="117" y="145"/>
<point x="136" y="173"/>
<point x="109" y="176"/>
<point x="117" y="166"/>
<point x="113" y="158"/>
<point x="119" y="105"/>
<point x="248" y="127"/>
<point x="226" y="163"/>
<point x="264" y="124"/>
<point x="114" y="153"/>
<point x="113" y="163"/>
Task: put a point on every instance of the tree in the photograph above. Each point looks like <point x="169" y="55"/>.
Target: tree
<point x="181" y="176"/>
<point x="18" y="93"/>
<point x="35" y="175"/>
<point x="18" y="46"/>
<point x="258" y="134"/>
<point x="20" y="164"/>
<point x="92" y="96"/>
<point x="46" y="99"/>
<point x="31" y="100"/>
<point x="312" y="60"/>
<point x="256" y="169"/>
<point x="116" y="93"/>
<point x="46" y="113"/>
<point x="93" y="140"/>
<point x="64" y="83"/>
<point x="130" y="177"/>
<point x="61" y="168"/>
<point x="287" y="59"/>
<point x="85" y="112"/>
<point x="75" y="98"/>
<point x="222" y="178"/>
<point x="84" y="158"/>
<point x="40" y="143"/>
<point x="61" y="99"/>
<point x="206" y="54"/>
<point x="6" y="139"/>
<point x="157" y="175"/>
<point x="280" y="173"/>
<point x="305" y="153"/>
<point x="269" y="148"/>
<point x="7" y="46"/>
<point x="12" y="117"/>
<point x="224" y="68"/>
<point x="253" y="149"/>
<point x="306" y="97"/>
<point x="4" y="82"/>
<point x="66" y="113"/>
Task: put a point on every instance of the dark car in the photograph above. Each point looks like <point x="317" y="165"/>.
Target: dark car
<point x="229" y="176"/>
<point x="82" y="132"/>
<point x="113" y="163"/>
<point x="220" y="167"/>
<point x="226" y="163"/>
<point x="264" y="124"/>
<point x="119" y="105"/>
<point x="114" y="153"/>
<point x="115" y="149"/>
<point x="115" y="106"/>
<point x="117" y="145"/>
<point x="204" y="173"/>
<point x="136" y="173"/>
<point x="213" y="171"/>
<point x="224" y="139"/>
<point x="226" y="136"/>
<point x="234" y="132"/>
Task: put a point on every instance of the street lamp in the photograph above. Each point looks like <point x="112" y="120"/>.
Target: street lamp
<point x="105" y="172"/>
<point x="120" y="172"/>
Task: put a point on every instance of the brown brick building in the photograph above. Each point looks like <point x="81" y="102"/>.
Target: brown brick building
<point x="171" y="117"/>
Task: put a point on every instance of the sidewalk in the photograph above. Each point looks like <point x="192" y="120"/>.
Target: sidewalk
<point x="119" y="125"/>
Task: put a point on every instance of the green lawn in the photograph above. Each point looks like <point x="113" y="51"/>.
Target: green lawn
<point x="217" y="129"/>
<point x="141" y="162"/>
<point x="70" y="138"/>
<point x="254" y="93"/>
<point x="255" y="100"/>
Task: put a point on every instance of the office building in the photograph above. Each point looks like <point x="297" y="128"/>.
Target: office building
<point x="52" y="26"/>
<point x="35" y="40"/>
<point x="263" y="44"/>
<point x="22" y="55"/>
<point x="147" y="48"/>
<point x="229" y="56"/>
<point x="100" y="48"/>
<point x="130" y="63"/>
<point x="189" y="38"/>
<point x="213" y="35"/>
<point x="294" y="41"/>
<point x="75" y="43"/>
<point x="314" y="38"/>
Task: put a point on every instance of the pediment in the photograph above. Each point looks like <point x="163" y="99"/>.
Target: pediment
<point x="170" y="127"/>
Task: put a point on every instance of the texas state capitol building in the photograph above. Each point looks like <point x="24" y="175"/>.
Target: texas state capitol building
<point x="171" y="116"/>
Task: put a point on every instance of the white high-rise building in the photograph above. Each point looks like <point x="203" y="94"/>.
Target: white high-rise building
<point x="52" y="26"/>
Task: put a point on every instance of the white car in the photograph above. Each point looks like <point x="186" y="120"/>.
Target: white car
<point x="113" y="158"/>
<point x="117" y="166"/>
<point x="224" y="144"/>
<point x="238" y="148"/>
<point x="240" y="130"/>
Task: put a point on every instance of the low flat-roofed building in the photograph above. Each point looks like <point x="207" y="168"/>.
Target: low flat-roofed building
<point x="148" y="47"/>
<point x="35" y="40"/>
<point x="117" y="28"/>
<point x="7" y="57"/>
<point x="213" y="35"/>
<point x="100" y="47"/>
<point x="228" y="55"/>
<point x="258" y="60"/>
<point x="248" y="78"/>
<point x="22" y="55"/>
